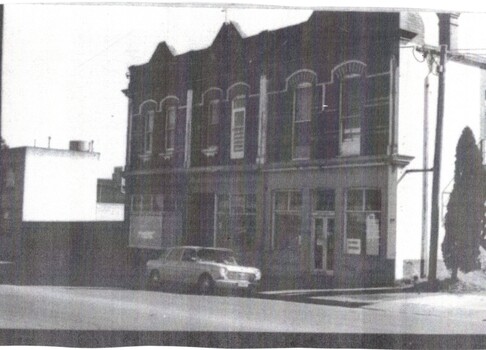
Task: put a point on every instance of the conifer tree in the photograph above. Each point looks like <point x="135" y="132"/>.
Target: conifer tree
<point x="465" y="210"/>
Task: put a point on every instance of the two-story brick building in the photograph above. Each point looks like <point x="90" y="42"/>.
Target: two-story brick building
<point x="282" y="146"/>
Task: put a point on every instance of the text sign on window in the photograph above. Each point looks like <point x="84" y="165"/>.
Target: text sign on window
<point x="372" y="234"/>
<point x="353" y="246"/>
<point x="146" y="235"/>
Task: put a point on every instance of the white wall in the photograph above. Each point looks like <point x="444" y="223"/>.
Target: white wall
<point x="411" y="136"/>
<point x="462" y="108"/>
<point x="60" y="185"/>
<point x="110" y="212"/>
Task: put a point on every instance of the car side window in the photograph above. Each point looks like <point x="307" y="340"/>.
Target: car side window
<point x="174" y="255"/>
<point x="188" y="255"/>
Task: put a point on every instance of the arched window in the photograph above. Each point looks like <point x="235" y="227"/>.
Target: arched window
<point x="170" y="126"/>
<point x="351" y="114"/>
<point x="301" y="85"/>
<point x="167" y="125"/>
<point x="213" y="116"/>
<point x="350" y="76"/>
<point x="148" y="129"/>
<point x="302" y="116"/>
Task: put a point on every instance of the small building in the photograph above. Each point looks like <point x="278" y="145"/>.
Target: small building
<point x="45" y="186"/>
<point x="289" y="146"/>
<point x="110" y="199"/>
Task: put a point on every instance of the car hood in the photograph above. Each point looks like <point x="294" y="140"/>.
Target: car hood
<point x="232" y="268"/>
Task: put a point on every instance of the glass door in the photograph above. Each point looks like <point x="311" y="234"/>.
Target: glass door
<point x="323" y="243"/>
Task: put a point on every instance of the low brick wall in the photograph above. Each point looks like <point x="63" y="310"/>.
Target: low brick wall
<point x="79" y="253"/>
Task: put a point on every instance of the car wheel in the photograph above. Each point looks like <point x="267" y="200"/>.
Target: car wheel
<point x="205" y="284"/>
<point x="154" y="280"/>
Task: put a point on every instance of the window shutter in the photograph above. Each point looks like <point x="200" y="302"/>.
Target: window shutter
<point x="238" y="121"/>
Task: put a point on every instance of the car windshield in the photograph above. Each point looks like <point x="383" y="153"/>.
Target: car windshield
<point x="218" y="256"/>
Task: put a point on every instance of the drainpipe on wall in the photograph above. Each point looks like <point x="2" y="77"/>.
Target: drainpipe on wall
<point x="262" y="121"/>
<point x="187" y="141"/>
<point x="393" y="134"/>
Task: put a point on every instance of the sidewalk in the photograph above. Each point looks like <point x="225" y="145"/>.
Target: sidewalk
<point x="471" y="307"/>
<point x="337" y="291"/>
<point x="396" y="301"/>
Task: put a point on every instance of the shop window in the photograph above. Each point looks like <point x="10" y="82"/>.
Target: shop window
<point x="153" y="203"/>
<point x="302" y="121"/>
<point x="238" y="115"/>
<point x="351" y="113"/>
<point x="170" y="125"/>
<point x="287" y="219"/>
<point x="148" y="131"/>
<point x="363" y="215"/>
<point x="236" y="221"/>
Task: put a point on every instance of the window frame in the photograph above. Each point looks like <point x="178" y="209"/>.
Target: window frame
<point x="365" y="211"/>
<point x="358" y="79"/>
<point x="157" y="206"/>
<point x="234" y="110"/>
<point x="315" y="195"/>
<point x="213" y="112"/>
<point x="148" y="130"/>
<point x="170" y="128"/>
<point x="288" y="210"/>
<point x="301" y="86"/>
<point x="232" y="212"/>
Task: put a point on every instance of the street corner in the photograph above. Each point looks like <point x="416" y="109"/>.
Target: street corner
<point x="348" y="297"/>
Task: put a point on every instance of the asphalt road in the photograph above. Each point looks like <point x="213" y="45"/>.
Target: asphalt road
<point x="75" y="308"/>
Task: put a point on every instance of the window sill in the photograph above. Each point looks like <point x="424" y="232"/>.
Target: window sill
<point x="167" y="155"/>
<point x="210" y="151"/>
<point x="145" y="156"/>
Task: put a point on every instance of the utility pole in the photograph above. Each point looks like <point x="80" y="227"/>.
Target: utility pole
<point x="434" y="223"/>
<point x="425" y="177"/>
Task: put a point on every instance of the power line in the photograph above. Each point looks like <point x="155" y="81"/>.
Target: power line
<point x="105" y="49"/>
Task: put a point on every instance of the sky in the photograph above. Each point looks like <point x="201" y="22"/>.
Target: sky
<point x="64" y="66"/>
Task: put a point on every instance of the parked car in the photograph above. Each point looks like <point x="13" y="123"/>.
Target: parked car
<point x="206" y="269"/>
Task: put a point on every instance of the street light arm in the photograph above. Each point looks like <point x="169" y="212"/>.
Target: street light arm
<point x="414" y="171"/>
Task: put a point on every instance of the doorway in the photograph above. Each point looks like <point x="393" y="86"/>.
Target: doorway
<point x="200" y="228"/>
<point x="323" y="242"/>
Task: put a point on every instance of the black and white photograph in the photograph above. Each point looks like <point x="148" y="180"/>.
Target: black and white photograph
<point x="243" y="175"/>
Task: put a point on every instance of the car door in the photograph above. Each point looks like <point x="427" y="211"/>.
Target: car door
<point x="188" y="267"/>
<point x="169" y="271"/>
